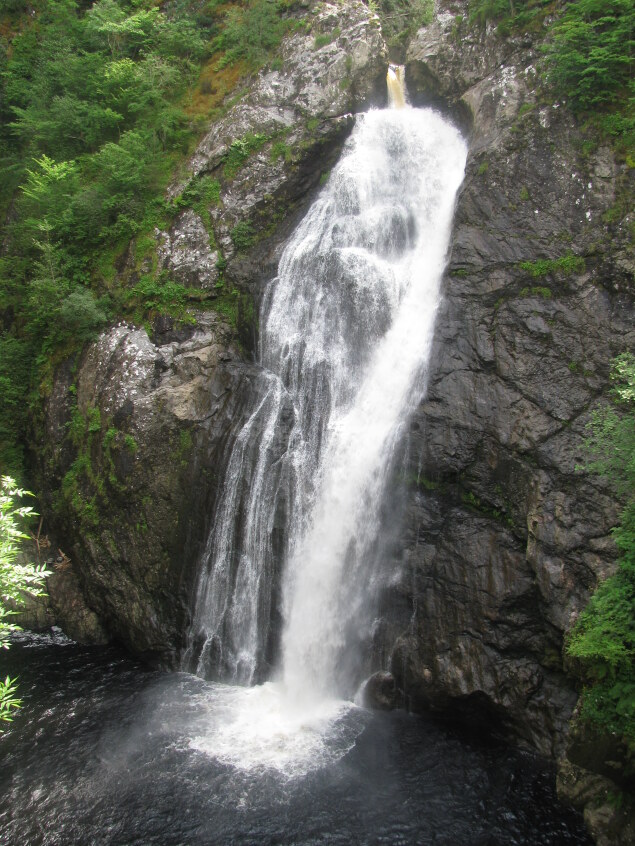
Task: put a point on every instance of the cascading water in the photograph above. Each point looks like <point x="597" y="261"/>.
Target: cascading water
<point x="346" y="330"/>
<point x="108" y="751"/>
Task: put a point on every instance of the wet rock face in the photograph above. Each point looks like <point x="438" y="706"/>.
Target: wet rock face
<point x="135" y="485"/>
<point x="503" y="538"/>
<point x="381" y="692"/>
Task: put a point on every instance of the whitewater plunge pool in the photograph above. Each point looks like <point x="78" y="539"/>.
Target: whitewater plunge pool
<point x="105" y="752"/>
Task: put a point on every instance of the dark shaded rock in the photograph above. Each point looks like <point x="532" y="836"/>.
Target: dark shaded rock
<point x="132" y="491"/>
<point x="601" y="753"/>
<point x="63" y="603"/>
<point x="503" y="538"/>
<point x="380" y="691"/>
<point x="68" y="606"/>
<point x="596" y="796"/>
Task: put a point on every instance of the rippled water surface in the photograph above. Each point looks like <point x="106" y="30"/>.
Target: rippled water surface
<point x="106" y="751"/>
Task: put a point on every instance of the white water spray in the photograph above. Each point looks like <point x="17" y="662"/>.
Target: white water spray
<point x="347" y="327"/>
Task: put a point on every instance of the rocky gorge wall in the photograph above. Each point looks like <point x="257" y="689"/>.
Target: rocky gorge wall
<point x="134" y="433"/>
<point x="502" y="540"/>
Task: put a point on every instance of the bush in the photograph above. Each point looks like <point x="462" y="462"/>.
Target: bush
<point x="15" y="579"/>
<point x="566" y="265"/>
<point x="602" y="643"/>
<point x="15" y="363"/>
<point x="510" y="14"/>
<point x="401" y="18"/>
<point x="243" y="235"/>
<point x="591" y="52"/>
<point x="252" y="31"/>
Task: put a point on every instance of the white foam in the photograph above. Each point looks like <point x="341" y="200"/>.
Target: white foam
<point x="346" y="333"/>
<point x="262" y="727"/>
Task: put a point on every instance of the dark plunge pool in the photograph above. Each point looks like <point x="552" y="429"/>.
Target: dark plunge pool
<point x="106" y="751"/>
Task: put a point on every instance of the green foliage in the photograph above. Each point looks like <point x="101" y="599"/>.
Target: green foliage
<point x="611" y="443"/>
<point x="203" y="190"/>
<point x="243" y="235"/>
<point x="131" y="445"/>
<point x="325" y="38"/>
<point x="92" y="477"/>
<point x="510" y="14"/>
<point x="237" y="308"/>
<point x="15" y="365"/>
<point x="154" y="295"/>
<point x="590" y="52"/>
<point x="401" y="18"/>
<point x="602" y="642"/>
<point x="252" y="31"/>
<point x="566" y="265"/>
<point x="15" y="579"/>
<point x="543" y="293"/>
<point x="281" y="150"/>
<point x="91" y="126"/>
<point x="8" y="701"/>
<point x="239" y="151"/>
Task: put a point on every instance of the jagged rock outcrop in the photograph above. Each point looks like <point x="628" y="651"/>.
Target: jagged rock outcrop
<point x="135" y="434"/>
<point x="272" y="148"/>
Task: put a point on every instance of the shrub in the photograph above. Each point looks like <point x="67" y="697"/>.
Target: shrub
<point x="602" y="643"/>
<point x="252" y="31"/>
<point x="243" y="235"/>
<point x="590" y="52"/>
<point x="15" y="579"/>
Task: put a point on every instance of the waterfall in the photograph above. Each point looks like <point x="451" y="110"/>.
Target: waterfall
<point x="395" y="82"/>
<point x="293" y="561"/>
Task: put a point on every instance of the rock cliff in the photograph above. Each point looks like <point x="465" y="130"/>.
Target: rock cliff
<point x="502" y="540"/>
<point x="133" y="439"/>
